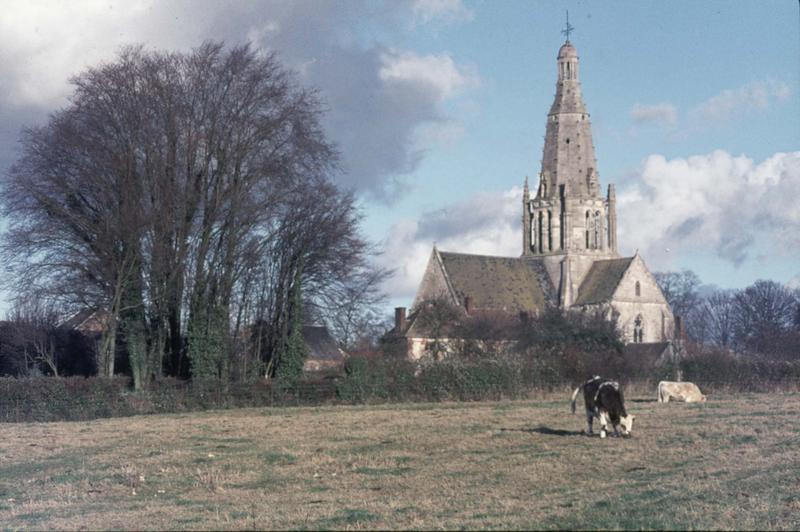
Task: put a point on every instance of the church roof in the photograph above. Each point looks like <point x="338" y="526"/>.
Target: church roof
<point x="602" y="280"/>
<point x="501" y="283"/>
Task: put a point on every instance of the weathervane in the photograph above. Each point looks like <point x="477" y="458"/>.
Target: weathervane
<point x="566" y="31"/>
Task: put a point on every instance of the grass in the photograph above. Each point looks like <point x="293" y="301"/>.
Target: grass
<point x="729" y="464"/>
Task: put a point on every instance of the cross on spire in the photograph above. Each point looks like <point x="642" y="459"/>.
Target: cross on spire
<point x="566" y="31"/>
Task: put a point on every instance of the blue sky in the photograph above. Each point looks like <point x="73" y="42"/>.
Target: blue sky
<point x="438" y="107"/>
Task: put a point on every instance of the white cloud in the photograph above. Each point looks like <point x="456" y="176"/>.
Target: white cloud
<point x="437" y="72"/>
<point x="488" y="223"/>
<point x="446" y="11"/>
<point x="661" y="114"/>
<point x="44" y="44"/>
<point x="443" y="133"/>
<point x="384" y="107"/>
<point x="754" y="96"/>
<point x="716" y="202"/>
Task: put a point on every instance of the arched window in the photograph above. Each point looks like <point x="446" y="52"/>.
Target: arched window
<point x="638" y="330"/>
<point x="587" y="229"/>
<point x="541" y="233"/>
<point x="549" y="230"/>
<point x="597" y="230"/>
<point x="533" y="232"/>
<point x="638" y="289"/>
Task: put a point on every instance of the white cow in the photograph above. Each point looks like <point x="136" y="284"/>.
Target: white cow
<point x="680" y="391"/>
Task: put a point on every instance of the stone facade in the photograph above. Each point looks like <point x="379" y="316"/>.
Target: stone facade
<point x="569" y="254"/>
<point x="638" y="306"/>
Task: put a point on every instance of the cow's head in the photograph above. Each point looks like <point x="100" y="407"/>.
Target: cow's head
<point x="627" y="424"/>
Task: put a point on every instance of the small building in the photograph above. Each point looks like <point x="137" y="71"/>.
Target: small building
<point x="90" y="322"/>
<point x="323" y="351"/>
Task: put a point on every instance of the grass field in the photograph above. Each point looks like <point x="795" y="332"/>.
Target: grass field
<point x="731" y="463"/>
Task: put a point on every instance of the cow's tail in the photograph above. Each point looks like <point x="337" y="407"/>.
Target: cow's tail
<point x="575" y="397"/>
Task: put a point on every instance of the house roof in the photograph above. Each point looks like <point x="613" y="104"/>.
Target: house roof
<point x="321" y="345"/>
<point x="78" y="318"/>
<point x="501" y="283"/>
<point x="423" y="322"/>
<point x="649" y="352"/>
<point x="602" y="280"/>
<point x="88" y="320"/>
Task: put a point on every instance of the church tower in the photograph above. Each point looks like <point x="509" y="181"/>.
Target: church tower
<point x="568" y="214"/>
<point x="568" y="224"/>
<point x="569" y="243"/>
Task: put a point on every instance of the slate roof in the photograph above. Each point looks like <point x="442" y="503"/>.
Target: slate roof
<point x="645" y="359"/>
<point x="321" y="345"/>
<point x="420" y="324"/>
<point x="602" y="280"/>
<point x="87" y="321"/>
<point x="650" y="352"/>
<point x="501" y="283"/>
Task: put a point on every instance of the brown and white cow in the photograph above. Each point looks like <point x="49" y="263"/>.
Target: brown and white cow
<point x="603" y="400"/>
<point x="680" y="391"/>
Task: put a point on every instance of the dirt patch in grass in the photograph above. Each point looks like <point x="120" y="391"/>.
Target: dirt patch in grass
<point x="508" y="465"/>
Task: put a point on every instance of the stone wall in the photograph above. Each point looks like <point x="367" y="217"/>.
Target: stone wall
<point x="658" y="321"/>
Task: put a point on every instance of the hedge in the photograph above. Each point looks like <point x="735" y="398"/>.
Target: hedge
<point x="365" y="380"/>
<point x="84" y="398"/>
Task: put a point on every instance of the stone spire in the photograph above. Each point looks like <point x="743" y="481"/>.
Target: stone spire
<point x="568" y="214"/>
<point x="569" y="157"/>
<point x="526" y="219"/>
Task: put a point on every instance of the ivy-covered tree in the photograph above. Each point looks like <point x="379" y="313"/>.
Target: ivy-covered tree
<point x="293" y="357"/>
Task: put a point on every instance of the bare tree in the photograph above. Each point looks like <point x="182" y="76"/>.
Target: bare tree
<point x="180" y="192"/>
<point x="317" y="226"/>
<point x="680" y="290"/>
<point x="717" y="313"/>
<point x="439" y="320"/>
<point x="34" y="326"/>
<point x="764" y="313"/>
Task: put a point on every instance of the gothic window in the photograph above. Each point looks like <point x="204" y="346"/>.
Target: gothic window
<point x="587" y="229"/>
<point x="638" y="330"/>
<point x="533" y="232"/>
<point x="541" y="233"/>
<point x="638" y="289"/>
<point x="597" y="230"/>
<point x="549" y="230"/>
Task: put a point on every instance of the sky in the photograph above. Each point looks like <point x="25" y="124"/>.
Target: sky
<point x="438" y="109"/>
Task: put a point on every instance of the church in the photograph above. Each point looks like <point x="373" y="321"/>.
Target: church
<point x="569" y="256"/>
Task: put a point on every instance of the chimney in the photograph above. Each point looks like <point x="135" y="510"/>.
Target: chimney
<point x="399" y="318"/>
<point x="680" y="346"/>
<point x="468" y="304"/>
<point x="680" y="329"/>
